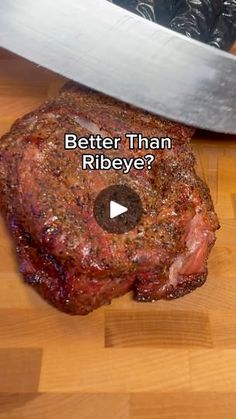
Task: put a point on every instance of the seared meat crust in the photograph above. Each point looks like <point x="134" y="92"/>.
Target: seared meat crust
<point x="47" y="202"/>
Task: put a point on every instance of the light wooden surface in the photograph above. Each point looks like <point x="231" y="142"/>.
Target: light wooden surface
<point x="128" y="360"/>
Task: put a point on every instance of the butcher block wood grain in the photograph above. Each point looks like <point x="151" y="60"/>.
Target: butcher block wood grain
<point x="128" y="360"/>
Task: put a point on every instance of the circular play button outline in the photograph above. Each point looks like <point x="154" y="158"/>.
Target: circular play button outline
<point x="118" y="209"/>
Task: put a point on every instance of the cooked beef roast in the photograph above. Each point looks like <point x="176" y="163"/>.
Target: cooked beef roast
<point x="47" y="201"/>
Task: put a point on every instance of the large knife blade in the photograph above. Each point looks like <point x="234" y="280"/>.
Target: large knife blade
<point x="113" y="51"/>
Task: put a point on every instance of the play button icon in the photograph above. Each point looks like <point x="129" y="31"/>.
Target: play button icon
<point x="118" y="209"/>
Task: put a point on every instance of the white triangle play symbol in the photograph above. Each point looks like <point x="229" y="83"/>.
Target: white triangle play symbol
<point x="116" y="209"/>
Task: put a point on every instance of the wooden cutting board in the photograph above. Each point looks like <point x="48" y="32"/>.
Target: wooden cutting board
<point x="127" y="360"/>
